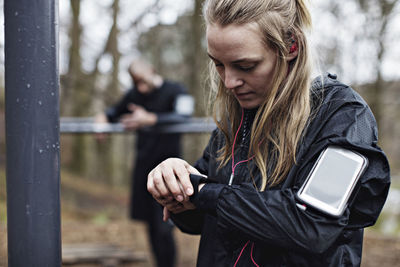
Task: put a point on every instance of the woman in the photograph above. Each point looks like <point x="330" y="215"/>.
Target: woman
<point x="272" y="126"/>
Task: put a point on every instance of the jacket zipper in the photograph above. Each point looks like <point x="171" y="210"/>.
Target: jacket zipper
<point x="245" y="126"/>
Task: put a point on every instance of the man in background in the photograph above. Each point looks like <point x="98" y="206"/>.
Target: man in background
<point x="152" y="100"/>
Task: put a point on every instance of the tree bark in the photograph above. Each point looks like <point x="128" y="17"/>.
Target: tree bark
<point x="198" y="59"/>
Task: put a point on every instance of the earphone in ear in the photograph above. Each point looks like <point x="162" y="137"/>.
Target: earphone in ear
<point x="293" y="47"/>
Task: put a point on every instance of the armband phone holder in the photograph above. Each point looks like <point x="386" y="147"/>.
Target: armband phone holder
<point x="332" y="180"/>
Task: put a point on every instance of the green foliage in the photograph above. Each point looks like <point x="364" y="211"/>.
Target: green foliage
<point x="101" y="219"/>
<point x="388" y="224"/>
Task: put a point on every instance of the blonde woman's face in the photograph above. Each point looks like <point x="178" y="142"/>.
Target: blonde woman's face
<point x="244" y="63"/>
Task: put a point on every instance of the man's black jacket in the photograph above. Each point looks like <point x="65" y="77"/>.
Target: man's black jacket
<point x="239" y="224"/>
<point x="152" y="147"/>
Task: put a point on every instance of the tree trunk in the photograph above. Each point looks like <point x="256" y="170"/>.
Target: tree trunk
<point x="70" y="104"/>
<point x="199" y="59"/>
<point x="106" y="168"/>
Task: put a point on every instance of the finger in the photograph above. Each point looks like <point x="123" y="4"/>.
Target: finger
<point x="130" y="124"/>
<point x="163" y="201"/>
<point x="155" y="190"/>
<point x="185" y="195"/>
<point x="188" y="205"/>
<point x="132" y="107"/>
<point x="173" y="205"/>
<point x="125" y="117"/>
<point x="171" y="170"/>
<point x="150" y="186"/>
<point x="131" y="127"/>
<point x="166" y="201"/>
<point x="166" y="214"/>
<point x="177" y="209"/>
<point x="182" y="174"/>
<point x="192" y="169"/>
<point x="156" y="185"/>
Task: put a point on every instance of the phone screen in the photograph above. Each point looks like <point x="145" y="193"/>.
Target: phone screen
<point x="332" y="178"/>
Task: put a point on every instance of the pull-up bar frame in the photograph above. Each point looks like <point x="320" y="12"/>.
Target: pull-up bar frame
<point x="32" y="132"/>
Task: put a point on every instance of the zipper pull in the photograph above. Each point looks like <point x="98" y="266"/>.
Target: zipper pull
<point x="230" y="179"/>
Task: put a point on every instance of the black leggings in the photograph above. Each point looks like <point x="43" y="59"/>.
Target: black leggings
<point x="162" y="241"/>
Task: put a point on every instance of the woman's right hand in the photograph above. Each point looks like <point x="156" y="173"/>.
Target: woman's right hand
<point x="170" y="181"/>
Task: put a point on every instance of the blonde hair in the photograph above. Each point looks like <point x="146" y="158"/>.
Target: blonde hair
<point x="283" y="115"/>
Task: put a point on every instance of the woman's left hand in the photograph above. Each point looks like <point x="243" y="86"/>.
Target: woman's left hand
<point x="176" y="207"/>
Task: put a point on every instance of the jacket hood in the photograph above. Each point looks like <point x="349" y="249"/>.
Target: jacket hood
<point x="324" y="81"/>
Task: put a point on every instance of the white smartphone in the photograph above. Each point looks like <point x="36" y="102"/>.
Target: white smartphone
<point x="332" y="179"/>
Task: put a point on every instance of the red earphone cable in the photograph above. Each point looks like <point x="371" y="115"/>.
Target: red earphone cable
<point x="251" y="255"/>
<point x="233" y="148"/>
<point x="233" y="173"/>
<point x="241" y="252"/>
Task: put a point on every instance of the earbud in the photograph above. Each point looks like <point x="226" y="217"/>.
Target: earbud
<point x="293" y="47"/>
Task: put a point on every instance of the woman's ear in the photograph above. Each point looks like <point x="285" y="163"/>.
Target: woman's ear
<point x="293" y="50"/>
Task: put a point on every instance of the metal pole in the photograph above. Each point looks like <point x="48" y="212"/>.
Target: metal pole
<point x="32" y="132"/>
<point x="87" y="125"/>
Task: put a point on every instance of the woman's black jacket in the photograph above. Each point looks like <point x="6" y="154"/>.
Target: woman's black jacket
<point x="243" y="226"/>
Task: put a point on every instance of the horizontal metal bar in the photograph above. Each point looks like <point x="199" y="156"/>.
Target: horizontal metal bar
<point x="87" y="125"/>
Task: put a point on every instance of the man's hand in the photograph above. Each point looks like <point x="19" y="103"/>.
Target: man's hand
<point x="138" y="118"/>
<point x="101" y="118"/>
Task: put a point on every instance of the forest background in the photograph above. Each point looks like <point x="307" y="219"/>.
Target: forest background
<point x="356" y="39"/>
